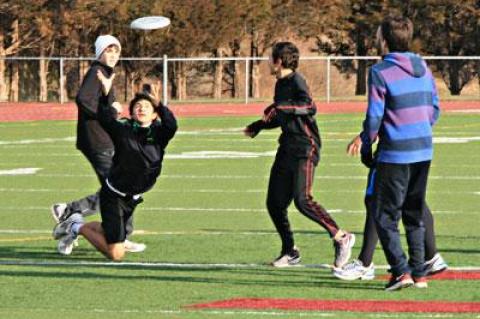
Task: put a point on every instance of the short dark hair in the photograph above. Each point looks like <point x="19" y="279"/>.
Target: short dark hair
<point x="141" y="96"/>
<point x="286" y="52"/>
<point x="397" y="31"/>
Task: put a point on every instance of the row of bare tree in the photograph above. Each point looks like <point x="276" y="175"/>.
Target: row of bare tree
<point x="68" y="28"/>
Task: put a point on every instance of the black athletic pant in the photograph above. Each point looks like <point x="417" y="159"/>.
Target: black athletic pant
<point x="101" y="162"/>
<point x="292" y="179"/>
<point x="399" y="192"/>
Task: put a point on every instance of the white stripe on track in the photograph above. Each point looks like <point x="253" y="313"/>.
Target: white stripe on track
<point x="149" y="265"/>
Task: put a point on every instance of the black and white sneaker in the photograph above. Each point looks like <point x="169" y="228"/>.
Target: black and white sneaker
<point x="287" y="260"/>
<point x="58" y="210"/>
<point x="435" y="265"/>
<point x="64" y="228"/>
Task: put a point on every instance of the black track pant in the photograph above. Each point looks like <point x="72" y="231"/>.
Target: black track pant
<point x="370" y="236"/>
<point x="399" y="193"/>
<point x="292" y="179"/>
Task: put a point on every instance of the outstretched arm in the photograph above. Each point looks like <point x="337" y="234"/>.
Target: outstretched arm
<point x="268" y="121"/>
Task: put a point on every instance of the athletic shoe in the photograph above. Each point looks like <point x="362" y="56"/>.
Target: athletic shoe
<point x="355" y="270"/>
<point x="435" y="265"/>
<point x="58" y="210"/>
<point x="343" y="249"/>
<point x="420" y="282"/>
<point x="65" y="244"/>
<point x="133" y="247"/>
<point x="287" y="260"/>
<point x="402" y="281"/>
<point x="64" y="228"/>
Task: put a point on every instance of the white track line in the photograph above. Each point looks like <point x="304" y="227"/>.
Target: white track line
<point x="149" y="209"/>
<point x="153" y="265"/>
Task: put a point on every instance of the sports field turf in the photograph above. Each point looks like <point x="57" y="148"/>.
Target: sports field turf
<point x="209" y="236"/>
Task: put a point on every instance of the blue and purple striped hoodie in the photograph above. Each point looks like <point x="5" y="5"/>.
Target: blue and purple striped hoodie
<point x="402" y="108"/>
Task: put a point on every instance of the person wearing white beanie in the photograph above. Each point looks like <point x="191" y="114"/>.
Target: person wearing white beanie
<point x="92" y="139"/>
<point x="107" y="49"/>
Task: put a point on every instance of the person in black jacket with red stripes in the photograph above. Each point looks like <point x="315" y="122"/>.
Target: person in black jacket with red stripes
<point x="292" y="173"/>
<point x="140" y="144"/>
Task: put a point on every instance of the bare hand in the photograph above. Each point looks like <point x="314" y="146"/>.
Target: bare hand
<point x="117" y="106"/>
<point x="248" y="132"/>
<point x="106" y="82"/>
<point x="353" y="148"/>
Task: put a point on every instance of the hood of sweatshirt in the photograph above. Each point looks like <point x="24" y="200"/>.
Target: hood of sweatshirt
<point x="410" y="62"/>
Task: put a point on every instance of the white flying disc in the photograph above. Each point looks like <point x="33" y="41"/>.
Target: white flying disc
<point x="150" y="23"/>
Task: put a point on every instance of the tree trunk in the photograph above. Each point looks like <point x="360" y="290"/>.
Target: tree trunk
<point x="218" y="76"/>
<point x="236" y="78"/>
<point x="42" y="74"/>
<point x="454" y="86"/>
<point x="14" y="82"/>
<point x="361" y="85"/>
<point x="254" y="89"/>
<point x="181" y="80"/>
<point x="3" y="69"/>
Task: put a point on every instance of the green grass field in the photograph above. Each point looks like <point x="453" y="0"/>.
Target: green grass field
<point x="206" y="211"/>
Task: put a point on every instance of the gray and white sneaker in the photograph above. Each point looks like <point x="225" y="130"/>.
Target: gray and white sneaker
<point x="435" y="265"/>
<point x="58" y="210"/>
<point x="66" y="243"/>
<point x="355" y="270"/>
<point x="343" y="249"/>
<point x="287" y="260"/>
<point x="65" y="228"/>
<point x="133" y="247"/>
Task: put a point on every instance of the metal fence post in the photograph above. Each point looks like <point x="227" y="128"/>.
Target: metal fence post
<point x="165" y="80"/>
<point x="328" y="79"/>
<point x="61" y="81"/>
<point x="247" y="73"/>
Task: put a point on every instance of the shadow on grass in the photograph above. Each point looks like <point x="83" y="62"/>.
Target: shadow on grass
<point x="319" y="281"/>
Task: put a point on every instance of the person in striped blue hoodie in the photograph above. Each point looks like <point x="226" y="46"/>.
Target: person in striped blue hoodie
<point x="402" y="108"/>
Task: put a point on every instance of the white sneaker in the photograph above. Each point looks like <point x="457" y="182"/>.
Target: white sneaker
<point x="355" y="270"/>
<point x="66" y="243"/>
<point x="435" y="265"/>
<point x="133" y="247"/>
<point x="287" y="260"/>
<point x="343" y="249"/>
<point x="57" y="210"/>
<point x="65" y="227"/>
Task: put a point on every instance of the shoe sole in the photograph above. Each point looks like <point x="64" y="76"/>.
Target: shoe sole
<point x="438" y="271"/>
<point x="354" y="278"/>
<point x="293" y="263"/>
<point x="400" y="285"/>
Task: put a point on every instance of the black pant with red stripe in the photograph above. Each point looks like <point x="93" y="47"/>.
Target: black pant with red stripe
<point x="291" y="179"/>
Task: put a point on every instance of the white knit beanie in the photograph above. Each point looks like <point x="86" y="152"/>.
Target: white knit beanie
<point x="103" y="42"/>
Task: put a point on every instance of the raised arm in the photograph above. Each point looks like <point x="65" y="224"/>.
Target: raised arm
<point x="168" y="125"/>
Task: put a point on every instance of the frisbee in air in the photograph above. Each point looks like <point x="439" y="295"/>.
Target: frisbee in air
<point x="150" y="23"/>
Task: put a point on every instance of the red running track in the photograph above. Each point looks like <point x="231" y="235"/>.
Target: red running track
<point x="344" y="305"/>
<point x="13" y="112"/>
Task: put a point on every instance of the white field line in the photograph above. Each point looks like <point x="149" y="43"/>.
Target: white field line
<point x="20" y="171"/>
<point x="153" y="265"/>
<point x="208" y="191"/>
<point x="229" y="132"/>
<point x="233" y="313"/>
<point x="149" y="209"/>
<point x="233" y="177"/>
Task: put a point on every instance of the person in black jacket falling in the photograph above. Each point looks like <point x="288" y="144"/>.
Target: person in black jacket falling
<point x="139" y="144"/>
<point x="92" y="140"/>
<point x="291" y="176"/>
